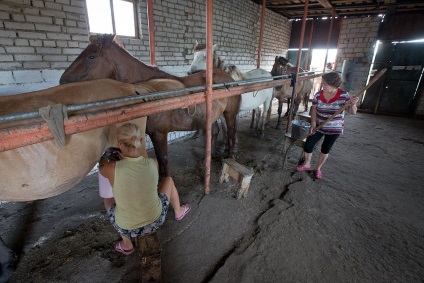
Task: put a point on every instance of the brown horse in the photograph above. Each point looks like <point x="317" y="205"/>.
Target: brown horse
<point x="284" y="93"/>
<point x="45" y="169"/>
<point x="106" y="58"/>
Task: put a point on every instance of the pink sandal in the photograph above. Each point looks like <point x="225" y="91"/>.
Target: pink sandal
<point x="119" y="249"/>
<point x="187" y="208"/>
<point x="302" y="168"/>
<point x="318" y="174"/>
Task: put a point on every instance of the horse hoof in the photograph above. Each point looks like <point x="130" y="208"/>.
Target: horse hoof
<point x="221" y="150"/>
<point x="267" y="126"/>
<point x="233" y="152"/>
<point x="278" y="127"/>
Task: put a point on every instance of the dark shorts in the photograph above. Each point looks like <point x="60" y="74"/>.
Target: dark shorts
<point x="145" y="230"/>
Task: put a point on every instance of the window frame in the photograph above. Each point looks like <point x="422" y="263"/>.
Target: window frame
<point x="112" y="15"/>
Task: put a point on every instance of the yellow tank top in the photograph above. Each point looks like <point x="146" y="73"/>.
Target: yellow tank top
<point x="136" y="192"/>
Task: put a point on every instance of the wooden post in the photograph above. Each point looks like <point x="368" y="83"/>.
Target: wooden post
<point x="309" y="45"/>
<point x="333" y="15"/>
<point x="302" y="35"/>
<point x="209" y="70"/>
<point x="150" y="252"/>
<point x="151" y="23"/>
<point x="261" y="33"/>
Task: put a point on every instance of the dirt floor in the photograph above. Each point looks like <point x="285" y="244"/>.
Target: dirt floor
<point x="362" y="223"/>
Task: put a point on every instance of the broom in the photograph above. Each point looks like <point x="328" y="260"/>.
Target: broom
<point x="376" y="78"/>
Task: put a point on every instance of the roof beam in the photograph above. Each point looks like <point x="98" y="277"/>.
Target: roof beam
<point x="325" y="3"/>
<point x="283" y="6"/>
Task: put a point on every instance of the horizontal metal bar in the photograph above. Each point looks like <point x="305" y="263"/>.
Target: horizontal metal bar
<point x="20" y="136"/>
<point x="138" y="98"/>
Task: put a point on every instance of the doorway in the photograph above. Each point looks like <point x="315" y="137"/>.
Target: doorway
<point x="397" y="93"/>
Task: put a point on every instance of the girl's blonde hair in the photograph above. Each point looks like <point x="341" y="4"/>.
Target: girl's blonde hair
<point x="130" y="135"/>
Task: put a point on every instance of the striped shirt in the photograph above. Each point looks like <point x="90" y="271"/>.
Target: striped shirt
<point x="327" y="108"/>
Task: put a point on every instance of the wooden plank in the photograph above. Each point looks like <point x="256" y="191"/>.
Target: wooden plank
<point x="238" y="172"/>
<point x="238" y="167"/>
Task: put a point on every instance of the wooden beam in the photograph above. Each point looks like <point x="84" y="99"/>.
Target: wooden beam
<point x="325" y="3"/>
<point x="283" y="6"/>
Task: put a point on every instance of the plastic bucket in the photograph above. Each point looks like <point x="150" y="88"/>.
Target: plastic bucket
<point x="299" y="129"/>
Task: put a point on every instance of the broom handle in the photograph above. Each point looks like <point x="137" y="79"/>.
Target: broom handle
<point x="378" y="76"/>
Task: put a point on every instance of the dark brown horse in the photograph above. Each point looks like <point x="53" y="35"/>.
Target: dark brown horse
<point x="106" y="58"/>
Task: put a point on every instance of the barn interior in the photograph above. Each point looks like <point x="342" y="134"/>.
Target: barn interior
<point x="362" y="222"/>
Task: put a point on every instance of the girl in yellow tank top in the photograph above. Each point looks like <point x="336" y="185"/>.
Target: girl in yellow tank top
<point x="140" y="204"/>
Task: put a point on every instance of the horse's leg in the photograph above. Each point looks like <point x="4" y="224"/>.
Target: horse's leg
<point x="223" y="146"/>
<point x="215" y="133"/>
<point x="280" y="110"/>
<point x="297" y="102"/>
<point x="266" y="105"/>
<point x="306" y="100"/>
<point x="258" y="117"/>
<point x="230" y="115"/>
<point x="268" y="115"/>
<point x="253" y="118"/>
<point x="260" y="123"/>
<point x="160" y="144"/>
<point x="235" y="148"/>
<point x="288" y="107"/>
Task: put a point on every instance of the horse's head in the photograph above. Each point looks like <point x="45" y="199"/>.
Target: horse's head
<point x="93" y="63"/>
<point x="234" y="72"/>
<point x="199" y="58"/>
<point x="280" y="67"/>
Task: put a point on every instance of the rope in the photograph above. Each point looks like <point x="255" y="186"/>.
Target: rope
<point x="194" y="112"/>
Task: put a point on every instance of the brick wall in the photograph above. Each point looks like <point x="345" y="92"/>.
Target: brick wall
<point x="356" y="43"/>
<point x="40" y="38"/>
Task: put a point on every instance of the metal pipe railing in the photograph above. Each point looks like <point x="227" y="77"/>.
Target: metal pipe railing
<point x="19" y="136"/>
<point x="138" y="98"/>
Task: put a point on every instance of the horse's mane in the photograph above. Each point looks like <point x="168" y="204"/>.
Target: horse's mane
<point x="217" y="62"/>
<point x="285" y="61"/>
<point x="104" y="39"/>
<point x="199" y="46"/>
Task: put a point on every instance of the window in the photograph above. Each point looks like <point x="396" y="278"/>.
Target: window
<point x="112" y="16"/>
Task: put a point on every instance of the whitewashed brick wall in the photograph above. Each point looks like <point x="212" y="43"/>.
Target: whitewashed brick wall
<point x="40" y="38"/>
<point x="357" y="42"/>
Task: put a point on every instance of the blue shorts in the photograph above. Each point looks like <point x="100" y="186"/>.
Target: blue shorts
<point x="145" y="230"/>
